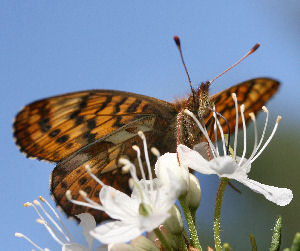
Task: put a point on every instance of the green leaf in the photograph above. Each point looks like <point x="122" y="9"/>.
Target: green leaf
<point x="296" y="243"/>
<point x="253" y="242"/>
<point x="276" y="238"/>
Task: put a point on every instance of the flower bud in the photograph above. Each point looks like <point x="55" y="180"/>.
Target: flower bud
<point x="174" y="224"/>
<point x="193" y="196"/>
<point x="143" y="243"/>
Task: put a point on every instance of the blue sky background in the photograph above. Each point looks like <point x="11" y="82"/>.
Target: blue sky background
<point x="54" y="47"/>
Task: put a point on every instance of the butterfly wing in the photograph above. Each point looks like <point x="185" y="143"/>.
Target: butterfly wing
<point x="253" y="94"/>
<point x="102" y="157"/>
<point x="53" y="128"/>
<point x="92" y="128"/>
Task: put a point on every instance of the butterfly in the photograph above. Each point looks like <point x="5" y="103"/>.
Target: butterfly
<point x="98" y="127"/>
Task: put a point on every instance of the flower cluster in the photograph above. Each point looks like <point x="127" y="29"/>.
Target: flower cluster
<point x="152" y="208"/>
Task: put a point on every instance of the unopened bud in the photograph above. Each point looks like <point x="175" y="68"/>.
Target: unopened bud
<point x="174" y="224"/>
<point x="193" y="197"/>
<point x="143" y="243"/>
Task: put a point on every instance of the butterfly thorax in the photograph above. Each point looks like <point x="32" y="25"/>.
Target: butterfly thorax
<point x="200" y="104"/>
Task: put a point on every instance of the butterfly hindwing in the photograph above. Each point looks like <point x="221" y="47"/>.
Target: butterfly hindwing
<point x="53" y="128"/>
<point x="102" y="157"/>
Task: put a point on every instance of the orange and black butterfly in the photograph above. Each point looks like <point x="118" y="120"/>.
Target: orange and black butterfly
<point x="98" y="127"/>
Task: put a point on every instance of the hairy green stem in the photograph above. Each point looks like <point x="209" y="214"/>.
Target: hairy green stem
<point x="217" y="216"/>
<point x="163" y="240"/>
<point x="189" y="219"/>
<point x="182" y="243"/>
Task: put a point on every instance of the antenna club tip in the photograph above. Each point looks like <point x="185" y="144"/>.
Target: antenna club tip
<point x="255" y="47"/>
<point x="177" y="40"/>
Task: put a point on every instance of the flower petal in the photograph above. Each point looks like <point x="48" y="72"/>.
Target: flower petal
<point x="171" y="175"/>
<point x="88" y="223"/>
<point x="115" y="232"/>
<point x="118" y="205"/>
<point x="280" y="196"/>
<point x="192" y="159"/>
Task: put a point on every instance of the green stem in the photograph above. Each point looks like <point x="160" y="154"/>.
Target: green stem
<point x="163" y="240"/>
<point x="182" y="243"/>
<point x="189" y="219"/>
<point x="217" y="216"/>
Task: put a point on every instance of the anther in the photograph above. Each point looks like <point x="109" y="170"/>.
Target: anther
<point x="36" y="202"/>
<point x="242" y="108"/>
<point x="19" y="235"/>
<point x="42" y="198"/>
<point x="27" y="204"/>
<point x="87" y="168"/>
<point x="125" y="169"/>
<point x="135" y="148"/>
<point x="233" y="95"/>
<point x="83" y="193"/>
<point x="125" y="162"/>
<point x="264" y="109"/>
<point x="142" y="135"/>
<point x="69" y="195"/>
<point x="40" y="221"/>
<point x="155" y="152"/>
<point x="252" y="116"/>
<point x="278" y="119"/>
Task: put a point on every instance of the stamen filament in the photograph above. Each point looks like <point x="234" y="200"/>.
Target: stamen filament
<point x="84" y="196"/>
<point x="52" y="231"/>
<point x="265" y="127"/>
<point x="245" y="134"/>
<point x="269" y="139"/>
<point x="57" y="216"/>
<point x="216" y="135"/>
<point x="236" y="124"/>
<point x="20" y="235"/>
<point x="138" y="152"/>
<point x="142" y="136"/>
<point x="213" y="149"/>
<point x="221" y="132"/>
<point x="51" y="219"/>
<point x="81" y="203"/>
<point x="88" y="169"/>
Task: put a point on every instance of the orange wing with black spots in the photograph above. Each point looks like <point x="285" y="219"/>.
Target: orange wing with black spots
<point x="253" y="94"/>
<point x="102" y="157"/>
<point x="53" y="128"/>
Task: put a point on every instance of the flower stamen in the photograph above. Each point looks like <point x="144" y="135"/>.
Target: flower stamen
<point x="20" y="235"/>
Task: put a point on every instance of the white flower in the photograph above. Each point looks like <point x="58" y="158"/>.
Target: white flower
<point x="58" y="230"/>
<point x="145" y="210"/>
<point x="170" y="174"/>
<point x="233" y="167"/>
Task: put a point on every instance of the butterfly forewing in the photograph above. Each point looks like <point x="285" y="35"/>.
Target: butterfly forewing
<point x="56" y="127"/>
<point x="253" y="94"/>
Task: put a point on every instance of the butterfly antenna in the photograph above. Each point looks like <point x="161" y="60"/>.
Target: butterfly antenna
<point x="255" y="47"/>
<point x="177" y="42"/>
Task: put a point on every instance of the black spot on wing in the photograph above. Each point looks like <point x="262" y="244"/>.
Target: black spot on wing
<point x="54" y="133"/>
<point x="82" y="181"/>
<point x="118" y="122"/>
<point x="91" y="123"/>
<point x="133" y="107"/>
<point x="117" y="106"/>
<point x="105" y="103"/>
<point x="44" y="124"/>
<point x="62" y="139"/>
<point x="89" y="136"/>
